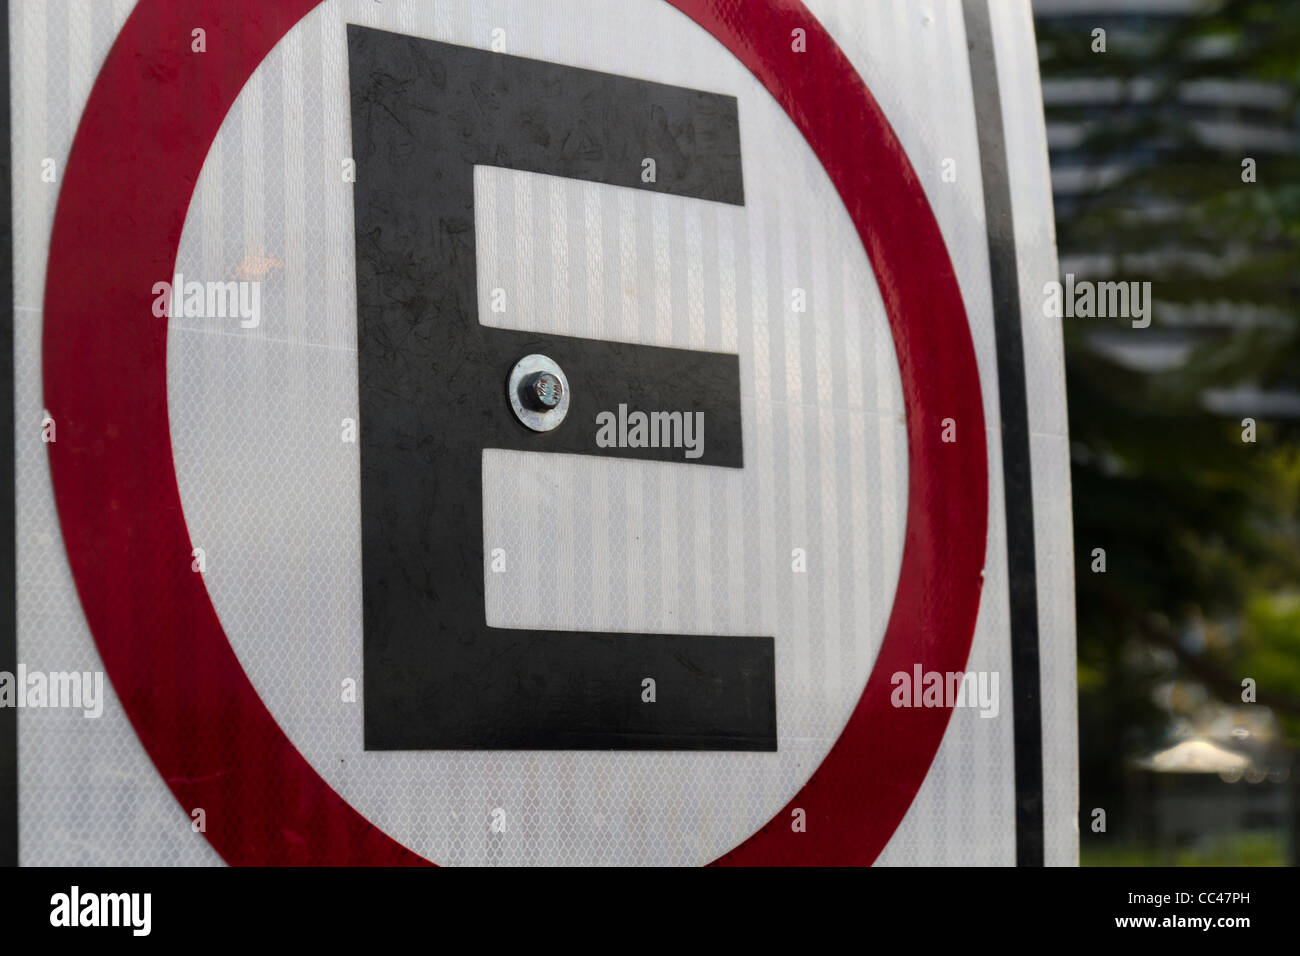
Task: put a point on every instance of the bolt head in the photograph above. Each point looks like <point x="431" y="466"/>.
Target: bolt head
<point x="543" y="391"/>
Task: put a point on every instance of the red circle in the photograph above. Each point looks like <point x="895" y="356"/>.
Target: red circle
<point x="127" y="187"/>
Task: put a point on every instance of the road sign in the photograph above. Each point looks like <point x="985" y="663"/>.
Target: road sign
<point x="344" y="343"/>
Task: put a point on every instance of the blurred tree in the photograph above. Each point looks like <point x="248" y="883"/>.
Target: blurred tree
<point x="1201" y="529"/>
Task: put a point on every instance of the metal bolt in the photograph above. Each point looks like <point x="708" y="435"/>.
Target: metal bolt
<point x="538" y="392"/>
<point x="542" y="391"/>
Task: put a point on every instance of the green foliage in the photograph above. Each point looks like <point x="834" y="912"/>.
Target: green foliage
<point x="1198" y="526"/>
<point x="1238" y="849"/>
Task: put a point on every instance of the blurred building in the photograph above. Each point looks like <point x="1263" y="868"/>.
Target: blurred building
<point x="1103" y="127"/>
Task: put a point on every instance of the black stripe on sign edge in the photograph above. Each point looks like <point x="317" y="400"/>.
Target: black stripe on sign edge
<point x="1022" y="576"/>
<point x="8" y="582"/>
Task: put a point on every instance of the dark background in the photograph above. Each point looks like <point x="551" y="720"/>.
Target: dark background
<point x="1201" y="529"/>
